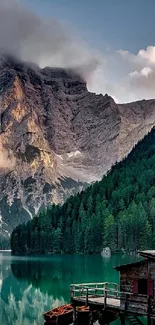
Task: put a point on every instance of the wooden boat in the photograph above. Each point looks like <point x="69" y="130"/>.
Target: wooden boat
<point x="83" y="315"/>
<point x="59" y="315"/>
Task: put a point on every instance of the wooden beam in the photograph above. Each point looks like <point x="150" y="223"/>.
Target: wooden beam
<point x="122" y="319"/>
<point x="90" y="317"/>
<point x="74" y="314"/>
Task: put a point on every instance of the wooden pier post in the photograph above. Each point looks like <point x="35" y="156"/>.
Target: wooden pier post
<point x="149" y="322"/>
<point x="105" y="299"/>
<point x="74" y="314"/>
<point x="122" y="319"/>
<point x="86" y="297"/>
<point x="90" y="317"/>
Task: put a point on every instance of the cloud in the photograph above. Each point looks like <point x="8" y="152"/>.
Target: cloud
<point x="145" y="72"/>
<point x="148" y="54"/>
<point x="127" y="76"/>
<point x="124" y="75"/>
<point x="45" y="42"/>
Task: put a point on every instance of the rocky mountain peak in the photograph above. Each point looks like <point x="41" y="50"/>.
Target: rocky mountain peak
<point x="55" y="136"/>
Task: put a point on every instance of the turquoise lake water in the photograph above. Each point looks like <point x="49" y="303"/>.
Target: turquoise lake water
<point x="30" y="286"/>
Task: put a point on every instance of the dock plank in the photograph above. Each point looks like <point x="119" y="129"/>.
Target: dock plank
<point x="110" y="302"/>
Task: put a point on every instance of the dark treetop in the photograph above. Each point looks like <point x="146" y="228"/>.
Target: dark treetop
<point x="118" y="212"/>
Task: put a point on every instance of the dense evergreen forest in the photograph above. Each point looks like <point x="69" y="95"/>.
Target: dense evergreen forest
<point x="4" y="243"/>
<point x="118" y="212"/>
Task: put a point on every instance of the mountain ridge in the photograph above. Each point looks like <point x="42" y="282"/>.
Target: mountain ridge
<point x="116" y="212"/>
<point x="54" y="132"/>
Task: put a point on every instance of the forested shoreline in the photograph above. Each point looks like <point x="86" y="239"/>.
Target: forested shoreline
<point x="118" y="212"/>
<point x="4" y="243"/>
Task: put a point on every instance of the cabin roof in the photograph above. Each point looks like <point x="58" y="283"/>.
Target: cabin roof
<point x="123" y="266"/>
<point x="147" y="254"/>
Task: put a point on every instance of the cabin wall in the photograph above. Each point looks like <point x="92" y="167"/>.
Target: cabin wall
<point x="151" y="269"/>
<point x="129" y="277"/>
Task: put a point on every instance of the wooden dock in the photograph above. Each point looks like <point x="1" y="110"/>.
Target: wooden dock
<point x="105" y="294"/>
<point x="99" y="301"/>
<point x="107" y="300"/>
<point x="134" y="298"/>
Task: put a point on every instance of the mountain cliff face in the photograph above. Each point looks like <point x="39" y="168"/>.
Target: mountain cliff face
<point x="56" y="137"/>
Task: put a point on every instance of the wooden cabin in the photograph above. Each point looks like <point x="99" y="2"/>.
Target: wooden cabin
<point x="136" y="296"/>
<point x="137" y="285"/>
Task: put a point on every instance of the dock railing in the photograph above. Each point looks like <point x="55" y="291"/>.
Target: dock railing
<point x="101" y="289"/>
<point x="109" y="292"/>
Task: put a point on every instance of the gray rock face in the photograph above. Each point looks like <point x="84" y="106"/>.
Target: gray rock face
<point x="56" y="137"/>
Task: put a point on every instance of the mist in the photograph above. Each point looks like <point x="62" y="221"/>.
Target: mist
<point x="31" y="38"/>
<point x="48" y="42"/>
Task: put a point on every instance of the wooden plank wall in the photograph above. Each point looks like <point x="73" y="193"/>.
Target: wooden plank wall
<point x="151" y="270"/>
<point x="128" y="275"/>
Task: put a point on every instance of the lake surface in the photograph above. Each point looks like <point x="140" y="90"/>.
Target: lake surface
<point x="30" y="286"/>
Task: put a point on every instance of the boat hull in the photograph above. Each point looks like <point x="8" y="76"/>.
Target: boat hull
<point x="58" y="316"/>
<point x="61" y="320"/>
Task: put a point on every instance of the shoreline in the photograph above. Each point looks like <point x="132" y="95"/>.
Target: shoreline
<point x="5" y="250"/>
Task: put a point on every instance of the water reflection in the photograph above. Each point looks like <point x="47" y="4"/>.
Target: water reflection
<point x="45" y="275"/>
<point x="31" y="286"/>
<point x="54" y="276"/>
<point x="24" y="294"/>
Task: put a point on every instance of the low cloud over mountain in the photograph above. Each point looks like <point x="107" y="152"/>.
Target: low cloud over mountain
<point x="29" y="37"/>
<point x="125" y="76"/>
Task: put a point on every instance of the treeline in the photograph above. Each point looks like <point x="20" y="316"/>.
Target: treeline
<point x="4" y="243"/>
<point x="118" y="212"/>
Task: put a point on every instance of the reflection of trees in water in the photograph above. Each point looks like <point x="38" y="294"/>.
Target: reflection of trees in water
<point x="29" y="309"/>
<point x="45" y="276"/>
<point x="50" y="280"/>
<point x="21" y="302"/>
<point x="36" y="285"/>
<point x="54" y="275"/>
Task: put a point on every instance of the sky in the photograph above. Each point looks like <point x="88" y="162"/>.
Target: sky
<point x="112" y="42"/>
<point x="115" y="24"/>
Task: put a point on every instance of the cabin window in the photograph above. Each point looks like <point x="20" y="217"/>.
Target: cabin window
<point x="142" y="286"/>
